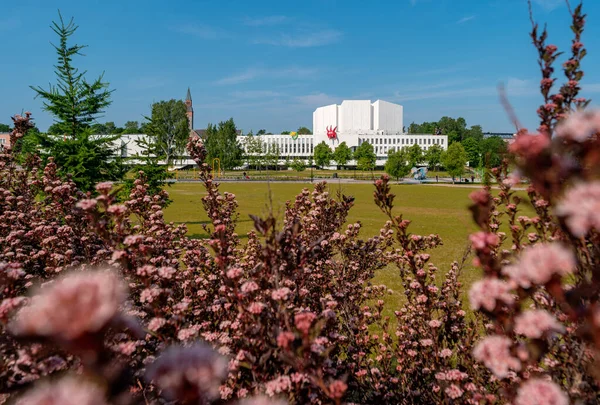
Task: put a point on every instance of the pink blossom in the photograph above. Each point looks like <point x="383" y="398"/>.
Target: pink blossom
<point x="87" y="205"/>
<point x="484" y="240"/>
<point x="249" y="286"/>
<point x="72" y="306"/>
<point x="488" y="292"/>
<point x="259" y="400"/>
<point x="445" y="353"/>
<point x="104" y="188"/>
<point x="422" y="299"/>
<point x="186" y="334"/>
<point x="189" y="373"/>
<point x="580" y="207"/>
<point x="66" y="391"/>
<point x="303" y="321"/>
<point x="117" y="210"/>
<point x="528" y="145"/>
<point x="536" y="323"/>
<point x="454" y="391"/>
<point x="256" y="308"/>
<point x="234" y="272"/>
<point x="426" y="342"/>
<point x="156" y="323"/>
<point x="539" y="263"/>
<point x="284" y="339"/>
<point x="579" y="126"/>
<point x="434" y="323"/>
<point x="494" y="352"/>
<point x="281" y="294"/>
<point x="337" y="389"/>
<point x="278" y="385"/>
<point x="540" y="392"/>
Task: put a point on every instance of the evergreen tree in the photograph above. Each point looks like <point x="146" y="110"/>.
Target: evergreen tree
<point x="75" y="104"/>
<point x="221" y="142"/>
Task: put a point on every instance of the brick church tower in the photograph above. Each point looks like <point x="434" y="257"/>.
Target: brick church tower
<point x="190" y="111"/>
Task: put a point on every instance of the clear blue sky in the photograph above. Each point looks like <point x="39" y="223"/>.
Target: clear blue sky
<point x="269" y="64"/>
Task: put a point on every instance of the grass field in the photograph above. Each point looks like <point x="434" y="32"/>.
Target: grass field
<point x="432" y="209"/>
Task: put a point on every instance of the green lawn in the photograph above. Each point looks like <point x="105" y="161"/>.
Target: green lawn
<point x="431" y="209"/>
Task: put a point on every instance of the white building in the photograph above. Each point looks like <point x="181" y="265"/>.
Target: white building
<point x="354" y="121"/>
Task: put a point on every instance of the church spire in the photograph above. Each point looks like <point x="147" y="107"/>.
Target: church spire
<point x="190" y="110"/>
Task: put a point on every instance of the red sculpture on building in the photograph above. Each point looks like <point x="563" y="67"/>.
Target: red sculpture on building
<point x="331" y="132"/>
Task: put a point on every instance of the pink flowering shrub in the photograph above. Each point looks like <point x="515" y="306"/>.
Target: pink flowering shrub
<point x="104" y="302"/>
<point x="540" y="290"/>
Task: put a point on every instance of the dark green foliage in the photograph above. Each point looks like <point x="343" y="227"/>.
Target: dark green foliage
<point x="285" y="132"/>
<point x="261" y="132"/>
<point x="454" y="160"/>
<point x="221" y="142"/>
<point x="472" y="147"/>
<point x="4" y="128"/>
<point x="74" y="102"/>
<point x="88" y="159"/>
<point x="456" y="129"/>
<point x="342" y="154"/>
<point x="322" y="154"/>
<point x="365" y="156"/>
<point x="493" y="150"/>
<point x="415" y="155"/>
<point x="433" y="156"/>
<point x="304" y="131"/>
<point x="298" y="165"/>
<point x="131" y="127"/>
<point x="398" y="163"/>
<point x="75" y="105"/>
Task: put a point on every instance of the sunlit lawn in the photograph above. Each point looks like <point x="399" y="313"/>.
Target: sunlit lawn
<point x="431" y="209"/>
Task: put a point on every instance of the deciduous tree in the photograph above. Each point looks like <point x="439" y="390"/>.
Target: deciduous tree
<point x="433" y="156"/>
<point x="342" y="154"/>
<point x="398" y="163"/>
<point x="168" y="125"/>
<point x="304" y="131"/>
<point x="322" y="154"/>
<point x="221" y="142"/>
<point x="455" y="159"/>
<point x="365" y="156"/>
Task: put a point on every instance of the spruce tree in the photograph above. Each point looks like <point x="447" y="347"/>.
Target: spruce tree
<point x="75" y="104"/>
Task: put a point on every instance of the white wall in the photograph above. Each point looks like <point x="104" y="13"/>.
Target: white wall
<point x="355" y="116"/>
<point x="387" y="117"/>
<point x="324" y="117"/>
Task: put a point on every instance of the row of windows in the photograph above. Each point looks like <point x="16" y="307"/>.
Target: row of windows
<point x="403" y="141"/>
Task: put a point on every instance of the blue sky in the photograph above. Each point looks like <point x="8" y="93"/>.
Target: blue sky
<point x="269" y="64"/>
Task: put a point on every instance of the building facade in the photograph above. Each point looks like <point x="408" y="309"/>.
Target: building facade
<point x="5" y="140"/>
<point x="353" y="121"/>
